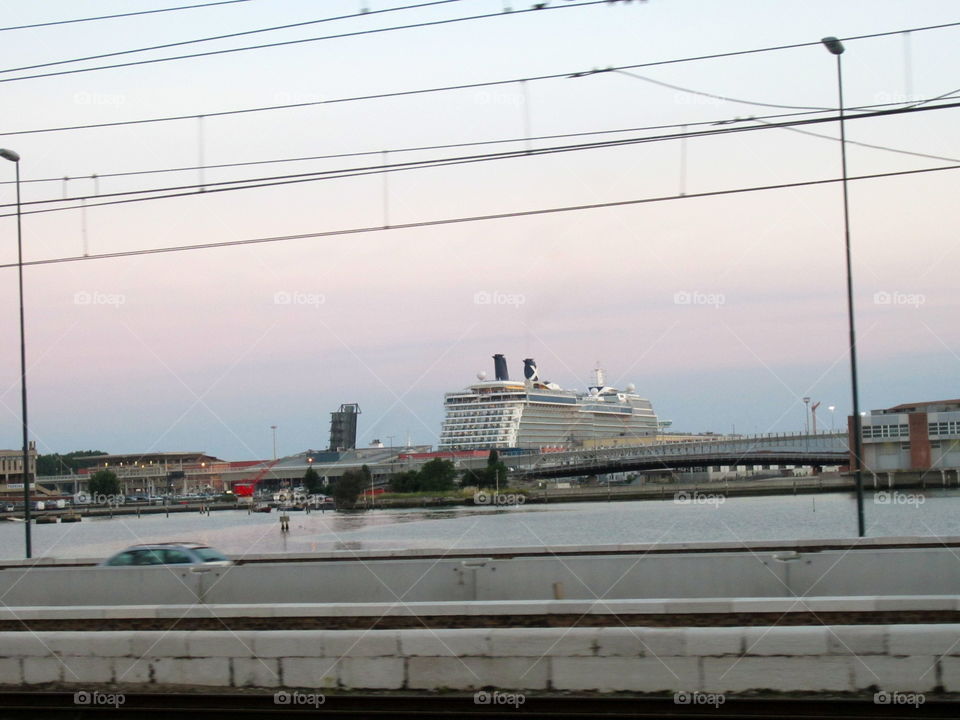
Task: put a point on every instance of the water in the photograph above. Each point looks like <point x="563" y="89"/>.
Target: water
<point x="744" y="519"/>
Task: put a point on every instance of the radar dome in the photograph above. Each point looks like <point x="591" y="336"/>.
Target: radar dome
<point x="631" y="388"/>
<point x="482" y="375"/>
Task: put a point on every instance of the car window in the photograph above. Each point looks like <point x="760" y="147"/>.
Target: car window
<point x="175" y="556"/>
<point x="209" y="554"/>
<point x="124" y="558"/>
<point x="146" y="557"/>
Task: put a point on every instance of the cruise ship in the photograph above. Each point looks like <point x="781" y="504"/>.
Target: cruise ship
<point x="530" y="413"/>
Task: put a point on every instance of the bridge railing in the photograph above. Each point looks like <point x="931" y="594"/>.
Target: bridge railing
<point x="745" y="444"/>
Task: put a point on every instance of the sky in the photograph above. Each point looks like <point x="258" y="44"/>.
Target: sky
<point x="725" y="311"/>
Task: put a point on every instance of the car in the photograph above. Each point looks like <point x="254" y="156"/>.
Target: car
<point x="172" y="553"/>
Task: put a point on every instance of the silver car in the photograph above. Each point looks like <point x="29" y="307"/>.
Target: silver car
<point x="173" y="553"/>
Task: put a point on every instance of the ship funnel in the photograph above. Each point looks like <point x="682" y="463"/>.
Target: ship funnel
<point x="500" y="367"/>
<point x="530" y="370"/>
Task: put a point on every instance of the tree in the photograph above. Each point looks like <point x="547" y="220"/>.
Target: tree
<point x="437" y="475"/>
<point x="57" y="464"/>
<point x="496" y="470"/>
<point x="347" y="489"/>
<point x="481" y="478"/>
<point x="312" y="482"/>
<point x="103" y="482"/>
<point x="407" y="481"/>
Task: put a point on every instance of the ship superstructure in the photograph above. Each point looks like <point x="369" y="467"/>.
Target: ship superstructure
<point x="530" y="413"/>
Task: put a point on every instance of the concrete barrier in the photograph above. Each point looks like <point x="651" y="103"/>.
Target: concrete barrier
<point x="767" y="574"/>
<point x="897" y="659"/>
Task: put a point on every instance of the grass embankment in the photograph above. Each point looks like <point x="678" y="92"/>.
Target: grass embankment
<point x="424" y="498"/>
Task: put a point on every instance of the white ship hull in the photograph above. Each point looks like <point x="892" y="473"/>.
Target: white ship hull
<point x="531" y="414"/>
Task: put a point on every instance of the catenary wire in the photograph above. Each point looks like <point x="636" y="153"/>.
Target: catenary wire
<point x="477" y="218"/>
<point x="290" y="179"/>
<point x="446" y="88"/>
<point x="120" y="15"/>
<point x="421" y="148"/>
<point x="228" y="36"/>
<point x="284" y="43"/>
<point x="502" y="141"/>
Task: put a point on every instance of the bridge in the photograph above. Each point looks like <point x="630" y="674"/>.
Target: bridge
<point x="776" y="449"/>
<point x="764" y="450"/>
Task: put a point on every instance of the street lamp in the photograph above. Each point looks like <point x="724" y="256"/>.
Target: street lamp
<point x="831" y="408"/>
<point x="14" y="157"/>
<point x="836" y="48"/>
<point x="274" y="428"/>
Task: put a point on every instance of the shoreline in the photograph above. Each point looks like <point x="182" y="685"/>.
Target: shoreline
<point x="683" y="493"/>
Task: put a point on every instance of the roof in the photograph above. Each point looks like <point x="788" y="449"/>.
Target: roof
<point x="909" y="407"/>
<point x="135" y="457"/>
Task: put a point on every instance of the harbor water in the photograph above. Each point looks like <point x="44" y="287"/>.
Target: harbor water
<point x="701" y="519"/>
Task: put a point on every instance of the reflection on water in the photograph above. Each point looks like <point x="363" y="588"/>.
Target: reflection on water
<point x="734" y="520"/>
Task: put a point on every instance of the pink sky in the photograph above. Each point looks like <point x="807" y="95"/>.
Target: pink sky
<point x="194" y="351"/>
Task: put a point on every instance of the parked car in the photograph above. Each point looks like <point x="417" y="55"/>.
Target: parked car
<point x="172" y="553"/>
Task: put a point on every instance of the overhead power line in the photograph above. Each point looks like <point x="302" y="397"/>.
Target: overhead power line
<point x="476" y="218"/>
<point x="322" y="38"/>
<point x="448" y="88"/>
<point x="420" y="148"/>
<point x="120" y="15"/>
<point x="504" y="141"/>
<point x="289" y="179"/>
<point x="230" y="35"/>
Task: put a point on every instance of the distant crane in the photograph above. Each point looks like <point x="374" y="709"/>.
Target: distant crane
<point x="813" y="411"/>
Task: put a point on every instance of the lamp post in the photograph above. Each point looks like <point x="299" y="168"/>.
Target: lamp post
<point x="836" y="48"/>
<point x="274" y="428"/>
<point x="831" y="408"/>
<point x="14" y="157"/>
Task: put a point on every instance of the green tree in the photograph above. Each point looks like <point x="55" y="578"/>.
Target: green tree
<point x="312" y="482"/>
<point x="481" y="478"/>
<point x="404" y="482"/>
<point x="437" y="475"/>
<point x="496" y="470"/>
<point x="57" y="464"/>
<point x="103" y="482"/>
<point x="347" y="489"/>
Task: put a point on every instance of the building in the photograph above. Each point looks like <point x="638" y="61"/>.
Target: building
<point x="343" y="427"/>
<point x="11" y="465"/>
<point x="155" y="472"/>
<point x="912" y="436"/>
